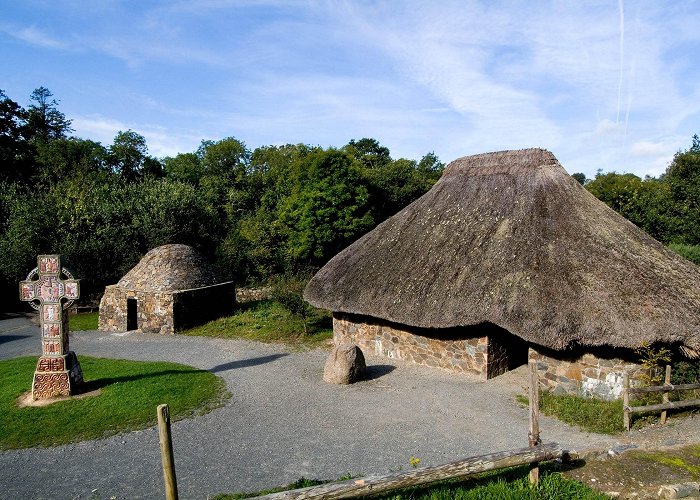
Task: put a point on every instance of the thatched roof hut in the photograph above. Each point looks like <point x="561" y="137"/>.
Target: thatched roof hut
<point x="511" y="239"/>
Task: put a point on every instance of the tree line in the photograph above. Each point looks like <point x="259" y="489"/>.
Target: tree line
<point x="258" y="214"/>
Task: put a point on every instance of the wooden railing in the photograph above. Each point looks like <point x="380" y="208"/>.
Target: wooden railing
<point x="662" y="407"/>
<point x="371" y="485"/>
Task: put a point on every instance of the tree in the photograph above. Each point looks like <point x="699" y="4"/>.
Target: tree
<point x="327" y="209"/>
<point x="127" y="154"/>
<point x="227" y="158"/>
<point x="368" y="152"/>
<point x="15" y="151"/>
<point x="185" y="167"/>
<point x="63" y="158"/>
<point x="44" y="121"/>
<point x="647" y="203"/>
<point x="580" y="178"/>
<point x="683" y="177"/>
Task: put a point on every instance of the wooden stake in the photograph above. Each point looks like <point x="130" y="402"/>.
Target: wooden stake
<point x="534" y="434"/>
<point x="626" y="401"/>
<point x="166" y="452"/>
<point x="667" y="381"/>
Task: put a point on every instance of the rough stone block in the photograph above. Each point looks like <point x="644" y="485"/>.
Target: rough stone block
<point x="345" y="364"/>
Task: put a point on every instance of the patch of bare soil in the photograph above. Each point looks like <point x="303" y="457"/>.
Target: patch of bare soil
<point x="645" y="460"/>
<point x="26" y="399"/>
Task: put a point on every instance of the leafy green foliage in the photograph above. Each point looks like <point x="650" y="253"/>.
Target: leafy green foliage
<point x="690" y="252"/>
<point x="130" y="393"/>
<point x="288" y="291"/>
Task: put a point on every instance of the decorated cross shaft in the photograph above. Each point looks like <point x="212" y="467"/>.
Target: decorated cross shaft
<point x="57" y="372"/>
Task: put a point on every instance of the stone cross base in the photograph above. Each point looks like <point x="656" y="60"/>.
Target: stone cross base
<point x="59" y="375"/>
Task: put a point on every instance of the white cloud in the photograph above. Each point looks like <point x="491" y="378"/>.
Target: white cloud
<point x="34" y="36"/>
<point x="648" y="148"/>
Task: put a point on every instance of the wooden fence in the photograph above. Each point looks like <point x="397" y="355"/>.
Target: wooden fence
<point x="371" y="485"/>
<point x="535" y="453"/>
<point x="662" y="407"/>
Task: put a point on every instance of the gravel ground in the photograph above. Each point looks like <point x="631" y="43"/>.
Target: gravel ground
<point x="281" y="423"/>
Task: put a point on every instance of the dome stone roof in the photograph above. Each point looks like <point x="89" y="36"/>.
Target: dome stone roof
<point x="169" y="268"/>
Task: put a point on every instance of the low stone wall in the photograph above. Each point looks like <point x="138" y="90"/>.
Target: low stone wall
<point x="589" y="374"/>
<point x="466" y="355"/>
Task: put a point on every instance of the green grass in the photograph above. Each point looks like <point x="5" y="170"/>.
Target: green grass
<point x="131" y="391"/>
<point x="505" y="484"/>
<point x="268" y="321"/>
<point x="592" y="415"/>
<point x="83" y="321"/>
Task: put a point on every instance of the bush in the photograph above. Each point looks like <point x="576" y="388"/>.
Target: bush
<point x="690" y="252"/>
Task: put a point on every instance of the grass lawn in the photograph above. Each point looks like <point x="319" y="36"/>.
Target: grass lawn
<point x="130" y="393"/>
<point x="593" y="415"/>
<point x="505" y="484"/>
<point x="83" y="321"/>
<point x="268" y="321"/>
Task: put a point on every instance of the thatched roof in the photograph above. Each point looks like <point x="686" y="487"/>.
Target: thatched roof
<point x="511" y="239"/>
<point x="169" y="268"/>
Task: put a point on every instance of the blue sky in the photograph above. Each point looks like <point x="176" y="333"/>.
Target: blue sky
<point x="603" y="85"/>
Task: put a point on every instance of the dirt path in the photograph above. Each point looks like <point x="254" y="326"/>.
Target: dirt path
<point x="282" y="422"/>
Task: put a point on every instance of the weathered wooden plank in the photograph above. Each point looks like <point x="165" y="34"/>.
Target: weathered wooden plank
<point x="673" y="405"/>
<point x="626" y="401"/>
<point x="379" y="483"/>
<point x="166" y="452"/>
<point x="667" y="381"/>
<point x="534" y="434"/>
<point x="662" y="388"/>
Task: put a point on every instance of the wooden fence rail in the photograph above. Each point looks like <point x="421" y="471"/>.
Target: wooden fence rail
<point x="662" y="407"/>
<point x="371" y="485"/>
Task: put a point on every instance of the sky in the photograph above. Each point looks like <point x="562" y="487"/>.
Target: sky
<point x="604" y="85"/>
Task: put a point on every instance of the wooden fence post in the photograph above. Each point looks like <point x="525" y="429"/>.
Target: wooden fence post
<point x="534" y="434"/>
<point x="667" y="381"/>
<point x="626" y="400"/>
<point x="166" y="452"/>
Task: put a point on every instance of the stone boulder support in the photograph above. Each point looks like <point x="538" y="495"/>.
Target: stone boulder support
<point x="345" y="365"/>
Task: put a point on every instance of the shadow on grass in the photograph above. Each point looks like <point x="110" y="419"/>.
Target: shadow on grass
<point x="9" y="338"/>
<point x="100" y="383"/>
<point x="244" y="363"/>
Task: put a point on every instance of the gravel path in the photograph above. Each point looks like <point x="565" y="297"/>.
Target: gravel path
<point x="281" y="423"/>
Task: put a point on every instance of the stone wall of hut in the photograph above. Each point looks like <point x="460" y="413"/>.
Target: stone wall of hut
<point x="165" y="312"/>
<point x="474" y="355"/>
<point x="589" y="374"/>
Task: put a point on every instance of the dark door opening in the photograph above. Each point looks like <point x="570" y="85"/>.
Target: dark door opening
<point x="131" y="321"/>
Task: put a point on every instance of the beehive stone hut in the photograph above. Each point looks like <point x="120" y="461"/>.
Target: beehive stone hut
<point x="170" y="289"/>
<point x="508" y="257"/>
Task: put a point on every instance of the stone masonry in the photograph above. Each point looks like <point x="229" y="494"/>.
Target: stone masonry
<point x="585" y="374"/>
<point x="474" y="355"/>
<point x="170" y="289"/>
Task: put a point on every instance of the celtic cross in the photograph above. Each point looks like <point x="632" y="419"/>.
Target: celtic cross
<point x="58" y="371"/>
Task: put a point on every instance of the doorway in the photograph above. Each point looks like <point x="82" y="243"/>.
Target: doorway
<point x="131" y="319"/>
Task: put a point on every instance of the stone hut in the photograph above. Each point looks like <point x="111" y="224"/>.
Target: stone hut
<point x="172" y="288"/>
<point x="508" y="258"/>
